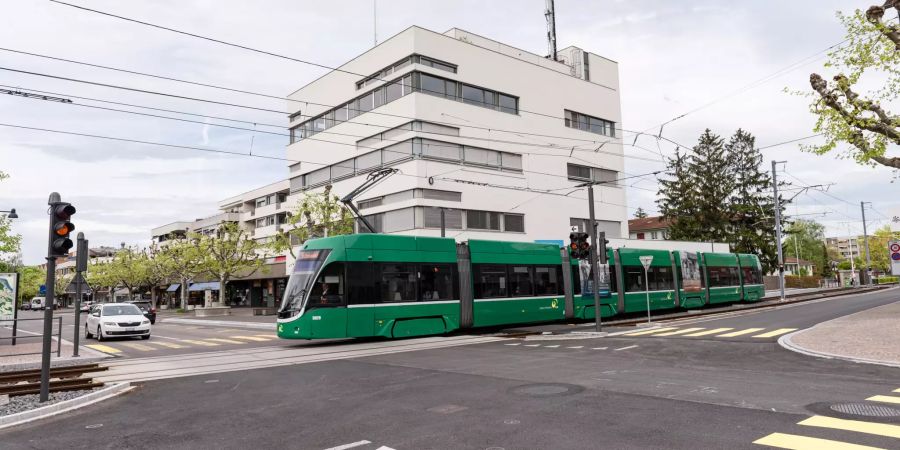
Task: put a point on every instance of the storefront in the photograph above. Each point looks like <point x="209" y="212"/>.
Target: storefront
<point x="262" y="289"/>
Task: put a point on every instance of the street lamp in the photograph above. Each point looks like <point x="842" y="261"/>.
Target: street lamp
<point x="11" y="213"/>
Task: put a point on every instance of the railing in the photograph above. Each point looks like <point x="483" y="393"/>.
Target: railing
<point x="15" y="337"/>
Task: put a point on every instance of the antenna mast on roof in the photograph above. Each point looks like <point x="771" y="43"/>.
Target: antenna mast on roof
<point x="375" y="20"/>
<point x="550" y="14"/>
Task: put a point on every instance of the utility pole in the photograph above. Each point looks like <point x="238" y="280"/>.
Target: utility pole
<point x="81" y="257"/>
<point x="595" y="263"/>
<point x="550" y="15"/>
<point x="852" y="263"/>
<point x="862" y="207"/>
<point x="443" y="223"/>
<point x="778" y="228"/>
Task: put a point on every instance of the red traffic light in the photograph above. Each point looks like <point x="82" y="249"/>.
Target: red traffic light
<point x="63" y="211"/>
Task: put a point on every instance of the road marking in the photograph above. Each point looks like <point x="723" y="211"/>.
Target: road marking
<point x="655" y="330"/>
<point x="790" y="441"/>
<point x="708" y="332"/>
<point x="677" y="332"/>
<point x="885" y="399"/>
<point x="251" y="338"/>
<point x="576" y="346"/>
<point x="104" y="348"/>
<point x="167" y="344"/>
<point x="201" y="343"/>
<point x="384" y="448"/>
<point x="775" y="332"/>
<point x="351" y="445"/>
<point x="551" y="346"/>
<point x="515" y="343"/>
<point x="224" y="341"/>
<point x="896" y="390"/>
<point x="141" y="347"/>
<point x="532" y="345"/>
<point x="741" y="332"/>
<point x="599" y="348"/>
<point x="881" y="429"/>
<point x="624" y="348"/>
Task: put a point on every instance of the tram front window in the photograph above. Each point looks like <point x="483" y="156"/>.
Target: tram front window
<point x="308" y="263"/>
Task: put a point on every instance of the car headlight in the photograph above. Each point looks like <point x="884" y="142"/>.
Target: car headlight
<point x="146" y="322"/>
<point x="109" y="324"/>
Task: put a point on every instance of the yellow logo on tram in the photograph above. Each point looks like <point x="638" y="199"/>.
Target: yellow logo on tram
<point x="554" y="303"/>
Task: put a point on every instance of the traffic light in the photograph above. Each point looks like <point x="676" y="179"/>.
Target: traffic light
<point x="579" y="245"/>
<point x="601" y="246"/>
<point x="60" y="228"/>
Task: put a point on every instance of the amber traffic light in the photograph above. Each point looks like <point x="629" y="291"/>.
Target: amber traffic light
<point x="60" y="228"/>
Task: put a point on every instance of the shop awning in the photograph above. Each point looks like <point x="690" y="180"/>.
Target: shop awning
<point x="173" y="287"/>
<point x="208" y="286"/>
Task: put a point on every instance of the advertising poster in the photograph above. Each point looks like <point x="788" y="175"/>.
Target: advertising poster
<point x="587" y="285"/>
<point x="7" y="295"/>
<point x="690" y="272"/>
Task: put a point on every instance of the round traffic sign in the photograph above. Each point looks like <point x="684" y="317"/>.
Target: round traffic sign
<point x="895" y="247"/>
<point x="895" y="256"/>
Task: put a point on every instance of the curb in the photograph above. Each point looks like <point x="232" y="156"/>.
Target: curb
<point x="788" y="344"/>
<point x="224" y="323"/>
<point x="64" y="406"/>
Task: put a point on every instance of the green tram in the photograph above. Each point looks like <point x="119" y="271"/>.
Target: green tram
<point x="395" y="286"/>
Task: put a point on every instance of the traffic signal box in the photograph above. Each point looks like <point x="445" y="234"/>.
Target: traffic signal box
<point x="579" y="246"/>
<point x="60" y="228"/>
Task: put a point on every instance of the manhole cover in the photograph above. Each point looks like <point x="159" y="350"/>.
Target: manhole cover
<point x="865" y="409"/>
<point x="546" y="389"/>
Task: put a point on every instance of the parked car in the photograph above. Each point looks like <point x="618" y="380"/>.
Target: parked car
<point x="25" y="306"/>
<point x="116" y="320"/>
<point x="39" y="303"/>
<point x="147" y="308"/>
<point x="86" y="306"/>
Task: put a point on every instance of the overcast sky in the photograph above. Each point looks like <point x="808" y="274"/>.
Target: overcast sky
<point x="673" y="57"/>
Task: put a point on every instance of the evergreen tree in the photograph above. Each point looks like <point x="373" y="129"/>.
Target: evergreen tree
<point x="750" y="207"/>
<point x="712" y="182"/>
<point x="676" y="199"/>
<point x="640" y="213"/>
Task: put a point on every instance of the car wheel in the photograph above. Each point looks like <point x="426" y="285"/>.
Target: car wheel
<point x="87" y="334"/>
<point x="100" y="334"/>
<point x="145" y="337"/>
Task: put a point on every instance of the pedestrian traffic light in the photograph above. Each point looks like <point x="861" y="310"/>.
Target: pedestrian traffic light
<point x="579" y="246"/>
<point x="601" y="247"/>
<point x="60" y="228"/>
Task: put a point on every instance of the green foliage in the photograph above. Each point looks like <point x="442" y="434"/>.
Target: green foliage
<point x="130" y="268"/>
<point x="878" y="248"/>
<point x="9" y="242"/>
<point x="887" y="280"/>
<point x="803" y="282"/>
<point x="184" y="259"/>
<point x="315" y="215"/>
<point x="230" y="252"/>
<point x="640" y="213"/>
<point x="30" y="280"/>
<point x="804" y="238"/>
<point x="844" y="265"/>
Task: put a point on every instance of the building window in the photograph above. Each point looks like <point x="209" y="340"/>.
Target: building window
<point x="653" y="235"/>
<point x="640" y="235"/>
<point x="466" y="93"/>
<point x="590" y="124"/>
<point x="612" y="228"/>
<point x="482" y="220"/>
<point x="514" y="223"/>
<point x="417" y="59"/>
<point x="577" y="172"/>
<point x="431" y="218"/>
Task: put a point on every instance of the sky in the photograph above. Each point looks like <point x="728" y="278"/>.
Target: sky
<point x="673" y="58"/>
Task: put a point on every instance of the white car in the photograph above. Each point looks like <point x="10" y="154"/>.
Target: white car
<point x="116" y="320"/>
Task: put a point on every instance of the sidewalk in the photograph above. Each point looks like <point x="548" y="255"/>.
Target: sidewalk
<point x="239" y="317"/>
<point x="869" y="336"/>
<point x="11" y="358"/>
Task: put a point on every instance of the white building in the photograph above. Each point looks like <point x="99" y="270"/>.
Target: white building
<point x="497" y="135"/>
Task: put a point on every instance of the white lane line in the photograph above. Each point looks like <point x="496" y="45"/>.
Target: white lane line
<point x="624" y="348"/>
<point x="351" y="445"/>
<point x="518" y="343"/>
<point x="532" y="345"/>
<point x="384" y="448"/>
<point x="551" y="346"/>
<point x="576" y="346"/>
<point x="599" y="348"/>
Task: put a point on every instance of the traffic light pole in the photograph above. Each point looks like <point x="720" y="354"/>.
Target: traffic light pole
<point x="80" y="265"/>
<point x="862" y="207"/>
<point x="48" y="309"/>
<point x="778" y="229"/>
<point x="595" y="263"/>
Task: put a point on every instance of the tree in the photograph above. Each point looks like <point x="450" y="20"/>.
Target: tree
<point x="129" y="268"/>
<point x="184" y="257"/>
<point x="751" y="206"/>
<point x="640" y="213"/>
<point x="315" y="215"/>
<point x="9" y="242"/>
<point x="676" y="198"/>
<point x="803" y="239"/>
<point x="878" y="248"/>
<point x="229" y="252"/>
<point x="99" y="275"/>
<point x="158" y="270"/>
<point x="843" y="114"/>
<point x="30" y="280"/>
<point x="713" y="182"/>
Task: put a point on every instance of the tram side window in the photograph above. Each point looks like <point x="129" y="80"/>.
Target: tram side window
<point x="661" y="279"/>
<point x="576" y="280"/>
<point x="723" y="276"/>
<point x="634" y="279"/>
<point x="490" y="281"/>
<point x="547" y="281"/>
<point x="398" y="282"/>
<point x="436" y="282"/>
<point x="520" y="281"/>
<point x="361" y="287"/>
<point x="752" y="275"/>
<point x="328" y="290"/>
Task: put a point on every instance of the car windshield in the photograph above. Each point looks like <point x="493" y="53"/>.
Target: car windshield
<point x="121" y="310"/>
<point x="308" y="263"/>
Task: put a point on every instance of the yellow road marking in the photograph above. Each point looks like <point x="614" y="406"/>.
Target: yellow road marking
<point x="790" y="441"/>
<point x="226" y="341"/>
<point x="775" y="332"/>
<point x="885" y="399"/>
<point x="104" y="348"/>
<point x="207" y="344"/>
<point x="708" y="332"/>
<point x="881" y="429"/>
<point x="896" y="390"/>
<point x="167" y="344"/>
<point x="677" y="332"/>
<point x="141" y="347"/>
<point x="655" y="330"/>
<point x="741" y="332"/>
<point x="251" y="338"/>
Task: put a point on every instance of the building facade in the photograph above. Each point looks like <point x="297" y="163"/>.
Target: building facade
<point x="848" y="247"/>
<point x="650" y="228"/>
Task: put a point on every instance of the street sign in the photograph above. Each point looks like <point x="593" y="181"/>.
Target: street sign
<point x="646" y="261"/>
<point x="574" y="228"/>
<point x="85" y="287"/>
<point x="43" y="289"/>
<point x="894" y="248"/>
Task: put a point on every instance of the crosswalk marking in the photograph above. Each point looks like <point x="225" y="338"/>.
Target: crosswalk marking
<point x="514" y="343"/>
<point x="104" y="348"/>
<point x="708" y="332"/>
<point x="791" y="441"/>
<point x="551" y="346"/>
<point x="599" y="348"/>
<point x="885" y="399"/>
<point x="576" y="346"/>
<point x="251" y="338"/>
<point x="532" y="345"/>
<point x="741" y="332"/>
<point x="141" y="347"/>
<point x="896" y="390"/>
<point x="655" y="330"/>
<point x="677" y="332"/>
<point x="350" y="445"/>
<point x="166" y="344"/>
<point x="775" y="332"/>
<point x="225" y="341"/>
<point x="881" y="429"/>
<point x="201" y="343"/>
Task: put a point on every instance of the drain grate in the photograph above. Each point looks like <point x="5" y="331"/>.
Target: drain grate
<point x="865" y="409"/>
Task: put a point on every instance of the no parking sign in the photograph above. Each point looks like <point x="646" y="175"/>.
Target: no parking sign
<point x="894" y="250"/>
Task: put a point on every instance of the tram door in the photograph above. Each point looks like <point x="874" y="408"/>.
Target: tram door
<point x="361" y="295"/>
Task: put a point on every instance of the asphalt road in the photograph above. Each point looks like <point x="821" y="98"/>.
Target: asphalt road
<point x="617" y="392"/>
